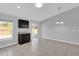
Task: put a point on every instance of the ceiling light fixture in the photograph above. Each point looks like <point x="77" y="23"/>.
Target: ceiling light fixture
<point x="60" y="21"/>
<point x="38" y="5"/>
<point x="18" y="6"/>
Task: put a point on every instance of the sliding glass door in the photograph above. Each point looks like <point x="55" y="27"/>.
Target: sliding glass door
<point x="6" y="30"/>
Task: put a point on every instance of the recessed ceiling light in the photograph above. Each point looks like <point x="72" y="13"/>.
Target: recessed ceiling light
<point x="38" y="5"/>
<point x="18" y="6"/>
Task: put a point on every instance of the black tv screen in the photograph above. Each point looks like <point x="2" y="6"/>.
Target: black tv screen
<point x="23" y="23"/>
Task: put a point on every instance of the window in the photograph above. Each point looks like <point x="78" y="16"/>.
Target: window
<point x="6" y="29"/>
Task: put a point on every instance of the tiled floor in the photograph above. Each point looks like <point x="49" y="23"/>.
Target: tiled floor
<point x="44" y="47"/>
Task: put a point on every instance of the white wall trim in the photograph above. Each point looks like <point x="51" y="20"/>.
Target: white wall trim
<point x="8" y="45"/>
<point x="75" y="43"/>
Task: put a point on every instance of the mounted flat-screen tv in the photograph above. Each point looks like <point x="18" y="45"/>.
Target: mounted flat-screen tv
<point x="23" y="23"/>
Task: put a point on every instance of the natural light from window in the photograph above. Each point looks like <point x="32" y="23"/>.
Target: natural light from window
<point x="6" y="30"/>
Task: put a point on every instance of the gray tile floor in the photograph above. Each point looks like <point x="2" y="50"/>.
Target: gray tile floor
<point x="44" y="47"/>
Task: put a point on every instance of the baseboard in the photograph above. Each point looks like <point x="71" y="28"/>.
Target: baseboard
<point x="75" y="43"/>
<point x="8" y="45"/>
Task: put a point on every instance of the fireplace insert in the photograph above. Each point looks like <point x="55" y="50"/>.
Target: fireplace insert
<point x="23" y="38"/>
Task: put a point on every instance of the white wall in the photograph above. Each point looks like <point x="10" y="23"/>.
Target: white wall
<point x="50" y="29"/>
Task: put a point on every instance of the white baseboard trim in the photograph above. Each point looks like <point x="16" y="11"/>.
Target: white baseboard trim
<point x="8" y="45"/>
<point x="75" y="43"/>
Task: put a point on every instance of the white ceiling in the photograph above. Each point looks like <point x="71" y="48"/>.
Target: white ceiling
<point x="28" y="10"/>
